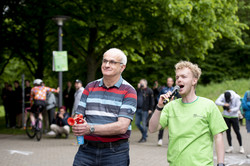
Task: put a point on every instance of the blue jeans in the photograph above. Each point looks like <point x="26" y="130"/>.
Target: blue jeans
<point x="91" y="156"/>
<point x="141" y="116"/>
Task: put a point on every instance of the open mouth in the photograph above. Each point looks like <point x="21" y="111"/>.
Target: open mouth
<point x="181" y="86"/>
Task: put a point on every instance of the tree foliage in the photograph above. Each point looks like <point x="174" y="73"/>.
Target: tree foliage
<point x="154" y="34"/>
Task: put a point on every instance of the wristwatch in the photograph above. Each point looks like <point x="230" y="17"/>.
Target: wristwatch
<point x="92" y="129"/>
<point x="220" y="164"/>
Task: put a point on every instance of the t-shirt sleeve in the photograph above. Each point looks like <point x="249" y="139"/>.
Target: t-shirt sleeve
<point x="164" y="116"/>
<point x="216" y="121"/>
<point x="129" y="104"/>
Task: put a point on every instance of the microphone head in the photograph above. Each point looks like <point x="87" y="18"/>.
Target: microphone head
<point x="177" y="88"/>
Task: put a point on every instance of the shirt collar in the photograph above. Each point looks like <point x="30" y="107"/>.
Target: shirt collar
<point x="117" y="84"/>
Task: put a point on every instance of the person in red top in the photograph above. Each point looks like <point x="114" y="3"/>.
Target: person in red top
<point x="38" y="98"/>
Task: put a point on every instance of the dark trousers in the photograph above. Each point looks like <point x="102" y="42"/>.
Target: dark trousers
<point x="6" y="116"/>
<point x="235" y="123"/>
<point x="160" y="134"/>
<point x="51" y="114"/>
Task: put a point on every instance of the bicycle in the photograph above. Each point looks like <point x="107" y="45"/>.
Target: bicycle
<point x="37" y="129"/>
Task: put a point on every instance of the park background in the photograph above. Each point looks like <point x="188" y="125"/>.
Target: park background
<point x="154" y="34"/>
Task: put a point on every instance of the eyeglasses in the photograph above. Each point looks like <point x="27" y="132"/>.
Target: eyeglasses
<point x="111" y="62"/>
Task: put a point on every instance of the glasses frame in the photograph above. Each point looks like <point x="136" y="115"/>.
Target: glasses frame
<point x="111" y="62"/>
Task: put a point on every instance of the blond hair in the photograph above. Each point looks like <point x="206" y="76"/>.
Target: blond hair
<point x="193" y="67"/>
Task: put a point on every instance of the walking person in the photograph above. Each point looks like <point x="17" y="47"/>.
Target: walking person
<point x="4" y="96"/>
<point x="194" y="122"/>
<point x="145" y="104"/>
<point x="169" y="87"/>
<point x="108" y="105"/>
<point x="246" y="109"/>
<point x="231" y="105"/>
<point x="78" y="95"/>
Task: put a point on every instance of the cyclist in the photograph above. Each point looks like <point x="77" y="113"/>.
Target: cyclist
<point x="38" y="98"/>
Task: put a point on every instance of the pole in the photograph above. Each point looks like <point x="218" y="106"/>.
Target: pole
<point x="60" y="74"/>
<point x="23" y="100"/>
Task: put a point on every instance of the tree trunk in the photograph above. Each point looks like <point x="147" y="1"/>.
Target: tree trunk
<point x="91" y="68"/>
<point x="41" y="40"/>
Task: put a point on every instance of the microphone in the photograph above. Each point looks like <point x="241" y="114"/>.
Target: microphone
<point x="175" y="90"/>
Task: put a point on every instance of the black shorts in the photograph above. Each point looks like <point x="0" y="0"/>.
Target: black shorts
<point x="38" y="106"/>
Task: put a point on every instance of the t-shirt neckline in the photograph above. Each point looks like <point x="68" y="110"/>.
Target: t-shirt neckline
<point x="191" y="102"/>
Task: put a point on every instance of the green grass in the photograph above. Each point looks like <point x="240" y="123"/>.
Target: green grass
<point x="213" y="91"/>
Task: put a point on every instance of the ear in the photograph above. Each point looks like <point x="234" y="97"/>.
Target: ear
<point x="195" y="80"/>
<point x="123" y="68"/>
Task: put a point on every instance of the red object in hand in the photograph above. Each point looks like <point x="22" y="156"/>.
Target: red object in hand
<point x="79" y="120"/>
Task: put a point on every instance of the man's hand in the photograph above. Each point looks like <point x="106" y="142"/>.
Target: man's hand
<point x="162" y="98"/>
<point x="226" y="105"/>
<point x="58" y="89"/>
<point x="150" y="111"/>
<point x="81" y="129"/>
<point x="60" y="116"/>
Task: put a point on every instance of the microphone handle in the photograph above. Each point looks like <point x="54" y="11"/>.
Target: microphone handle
<point x="167" y="100"/>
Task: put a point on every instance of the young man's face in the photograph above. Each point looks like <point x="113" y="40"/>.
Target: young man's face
<point x="111" y="65"/>
<point x="186" y="81"/>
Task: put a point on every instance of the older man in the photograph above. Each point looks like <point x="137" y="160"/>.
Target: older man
<point x="108" y="105"/>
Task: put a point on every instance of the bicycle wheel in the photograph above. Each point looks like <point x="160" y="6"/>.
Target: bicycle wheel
<point x="39" y="129"/>
<point x="30" y="131"/>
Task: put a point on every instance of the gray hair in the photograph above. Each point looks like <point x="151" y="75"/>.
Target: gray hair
<point x="144" y="80"/>
<point x="119" y="52"/>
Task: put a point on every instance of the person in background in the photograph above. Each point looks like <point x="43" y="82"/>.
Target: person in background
<point x="145" y="104"/>
<point x="51" y="104"/>
<point x="166" y="89"/>
<point x="60" y="125"/>
<point x="10" y="98"/>
<point x="246" y="109"/>
<point x="194" y="123"/>
<point x="68" y="97"/>
<point x="231" y="105"/>
<point x="4" y="96"/>
<point x="78" y="94"/>
<point x="27" y="91"/>
<point x="18" y="103"/>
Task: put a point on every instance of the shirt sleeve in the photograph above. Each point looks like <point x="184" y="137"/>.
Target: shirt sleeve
<point x="48" y="89"/>
<point x="164" y="116"/>
<point x="220" y="101"/>
<point x="129" y="104"/>
<point x="216" y="121"/>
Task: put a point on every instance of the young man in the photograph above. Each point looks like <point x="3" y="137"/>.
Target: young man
<point x="108" y="105"/>
<point x="231" y="105"/>
<point x="193" y="122"/>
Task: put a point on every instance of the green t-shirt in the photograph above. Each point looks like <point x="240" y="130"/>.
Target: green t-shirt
<point x="191" y="130"/>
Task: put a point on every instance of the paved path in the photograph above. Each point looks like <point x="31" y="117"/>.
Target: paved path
<point x="19" y="150"/>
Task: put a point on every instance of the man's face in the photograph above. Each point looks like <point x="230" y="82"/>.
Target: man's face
<point x="143" y="83"/>
<point x="78" y="85"/>
<point x="111" y="65"/>
<point x="16" y="85"/>
<point x="62" y="111"/>
<point x="186" y="81"/>
<point x="27" y="83"/>
<point x="170" y="82"/>
<point x="69" y="84"/>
